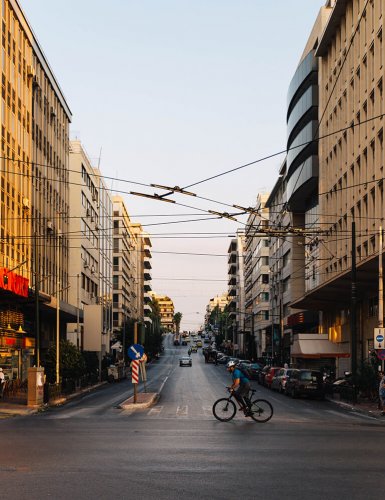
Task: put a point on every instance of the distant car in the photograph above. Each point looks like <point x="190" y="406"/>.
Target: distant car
<point x="184" y="342"/>
<point x="206" y="340"/>
<point x="185" y="361"/>
<point x="198" y="343"/>
<point x="223" y="360"/>
<point x="306" y="383"/>
<point x="281" y="378"/>
<point x="187" y="339"/>
<point x="253" y="370"/>
<point x="194" y="348"/>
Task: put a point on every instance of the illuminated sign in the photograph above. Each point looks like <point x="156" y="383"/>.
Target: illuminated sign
<point x="13" y="282"/>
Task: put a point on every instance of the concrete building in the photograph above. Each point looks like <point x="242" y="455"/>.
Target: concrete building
<point x="351" y="77"/>
<point x="125" y="267"/>
<point x="236" y="282"/>
<point x="90" y="267"/>
<point x="220" y="301"/>
<point x="166" y="307"/>
<point x="34" y="196"/>
<point x="256" y="266"/>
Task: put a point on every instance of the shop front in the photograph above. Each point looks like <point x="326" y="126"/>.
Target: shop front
<point x="17" y="345"/>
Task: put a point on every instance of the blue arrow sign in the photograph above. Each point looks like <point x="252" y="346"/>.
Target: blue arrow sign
<point x="135" y="351"/>
<point x="380" y="338"/>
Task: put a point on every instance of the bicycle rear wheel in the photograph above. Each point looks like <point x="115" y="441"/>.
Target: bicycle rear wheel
<point x="224" y="409"/>
<point x="261" y="410"/>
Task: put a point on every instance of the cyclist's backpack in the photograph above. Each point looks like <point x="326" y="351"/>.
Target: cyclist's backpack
<point x="243" y="370"/>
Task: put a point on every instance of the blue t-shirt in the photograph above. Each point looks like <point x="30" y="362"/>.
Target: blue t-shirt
<point x="238" y="374"/>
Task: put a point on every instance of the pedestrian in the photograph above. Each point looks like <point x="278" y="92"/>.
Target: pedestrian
<point x="381" y="393"/>
<point x="2" y="382"/>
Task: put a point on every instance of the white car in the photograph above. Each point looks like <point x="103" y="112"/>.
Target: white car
<point x="185" y="361"/>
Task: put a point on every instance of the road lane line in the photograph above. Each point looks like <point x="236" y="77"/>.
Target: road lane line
<point x="155" y="411"/>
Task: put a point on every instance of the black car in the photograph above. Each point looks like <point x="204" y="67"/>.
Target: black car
<point x="253" y="370"/>
<point x="305" y="383"/>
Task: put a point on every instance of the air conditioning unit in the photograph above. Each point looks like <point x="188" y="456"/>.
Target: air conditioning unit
<point x="49" y="225"/>
<point x="85" y="264"/>
<point x="26" y="204"/>
<point x="93" y="269"/>
<point x="94" y="197"/>
<point x="30" y="71"/>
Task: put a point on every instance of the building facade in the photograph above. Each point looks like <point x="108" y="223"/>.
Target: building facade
<point x="166" y="308"/>
<point x="34" y="248"/>
<point x="351" y="206"/>
<point x="90" y="267"/>
<point x="256" y="267"/>
<point x="236" y="283"/>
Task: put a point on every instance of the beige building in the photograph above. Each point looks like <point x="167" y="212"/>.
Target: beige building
<point x="166" y="308"/>
<point x="236" y="281"/>
<point x="34" y="248"/>
<point x="256" y="268"/>
<point x="90" y="266"/>
<point x="351" y="77"/>
<point x="220" y="301"/>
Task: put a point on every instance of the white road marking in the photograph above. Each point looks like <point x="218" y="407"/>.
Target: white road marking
<point x="182" y="411"/>
<point x="155" y="411"/>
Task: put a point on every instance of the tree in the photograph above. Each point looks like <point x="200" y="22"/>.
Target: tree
<point x="177" y="320"/>
<point x="71" y="362"/>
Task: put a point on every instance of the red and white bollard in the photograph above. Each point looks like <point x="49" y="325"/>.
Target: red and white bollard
<point x="135" y="372"/>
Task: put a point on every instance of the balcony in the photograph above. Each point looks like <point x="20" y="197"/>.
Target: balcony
<point x="147" y="308"/>
<point x="147" y="286"/>
<point x="147" y="251"/>
<point x="147" y="275"/>
<point x="147" y="297"/>
<point x="147" y="263"/>
<point x="147" y="320"/>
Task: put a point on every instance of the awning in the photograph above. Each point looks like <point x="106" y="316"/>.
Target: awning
<point x="316" y="348"/>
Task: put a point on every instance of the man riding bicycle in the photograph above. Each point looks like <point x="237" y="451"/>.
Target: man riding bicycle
<point x="240" y="386"/>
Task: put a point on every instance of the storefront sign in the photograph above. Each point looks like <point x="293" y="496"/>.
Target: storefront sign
<point x="13" y="282"/>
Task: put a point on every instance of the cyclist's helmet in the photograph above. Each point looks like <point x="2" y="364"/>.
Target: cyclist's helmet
<point x="230" y="364"/>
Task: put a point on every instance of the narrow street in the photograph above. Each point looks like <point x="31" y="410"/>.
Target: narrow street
<point x="177" y="448"/>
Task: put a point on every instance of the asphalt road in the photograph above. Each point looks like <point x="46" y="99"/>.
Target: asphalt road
<point x="91" y="449"/>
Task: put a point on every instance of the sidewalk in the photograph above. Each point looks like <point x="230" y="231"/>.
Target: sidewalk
<point x="364" y="407"/>
<point x="14" y="409"/>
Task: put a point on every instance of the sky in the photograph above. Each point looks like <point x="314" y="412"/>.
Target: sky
<point x="172" y="92"/>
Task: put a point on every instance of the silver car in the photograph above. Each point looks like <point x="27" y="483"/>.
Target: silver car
<point x="185" y="361"/>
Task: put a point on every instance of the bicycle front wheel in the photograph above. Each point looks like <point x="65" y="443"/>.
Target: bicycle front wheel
<point x="261" y="410"/>
<point x="224" y="409"/>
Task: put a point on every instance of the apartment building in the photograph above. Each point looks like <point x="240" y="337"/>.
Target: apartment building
<point x="256" y="267"/>
<point x="220" y="301"/>
<point x="166" y="308"/>
<point x="351" y="203"/>
<point x="236" y="283"/>
<point x="90" y="268"/>
<point x="125" y="277"/>
<point x="34" y="246"/>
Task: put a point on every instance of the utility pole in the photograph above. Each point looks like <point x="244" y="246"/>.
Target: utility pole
<point x="135" y="342"/>
<point x="353" y="321"/>
<point x="57" y="311"/>
<point x="380" y="287"/>
<point x="37" y="306"/>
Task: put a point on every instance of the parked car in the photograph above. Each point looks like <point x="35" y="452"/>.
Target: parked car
<point x="270" y="374"/>
<point x="184" y="342"/>
<point x="262" y="375"/>
<point x="185" y="361"/>
<point x="223" y="360"/>
<point x="281" y="378"/>
<point x="306" y="383"/>
<point x="253" y="370"/>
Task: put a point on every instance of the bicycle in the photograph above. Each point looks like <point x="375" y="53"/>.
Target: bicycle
<point x="225" y="409"/>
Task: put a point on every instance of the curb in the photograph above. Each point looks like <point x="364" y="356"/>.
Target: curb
<point x="129" y="404"/>
<point x="350" y="407"/>
<point x="65" y="399"/>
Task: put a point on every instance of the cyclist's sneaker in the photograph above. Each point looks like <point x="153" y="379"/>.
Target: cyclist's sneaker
<point x="248" y="413"/>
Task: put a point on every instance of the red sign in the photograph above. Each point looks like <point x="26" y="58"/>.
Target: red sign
<point x="16" y="284"/>
<point x="380" y="353"/>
